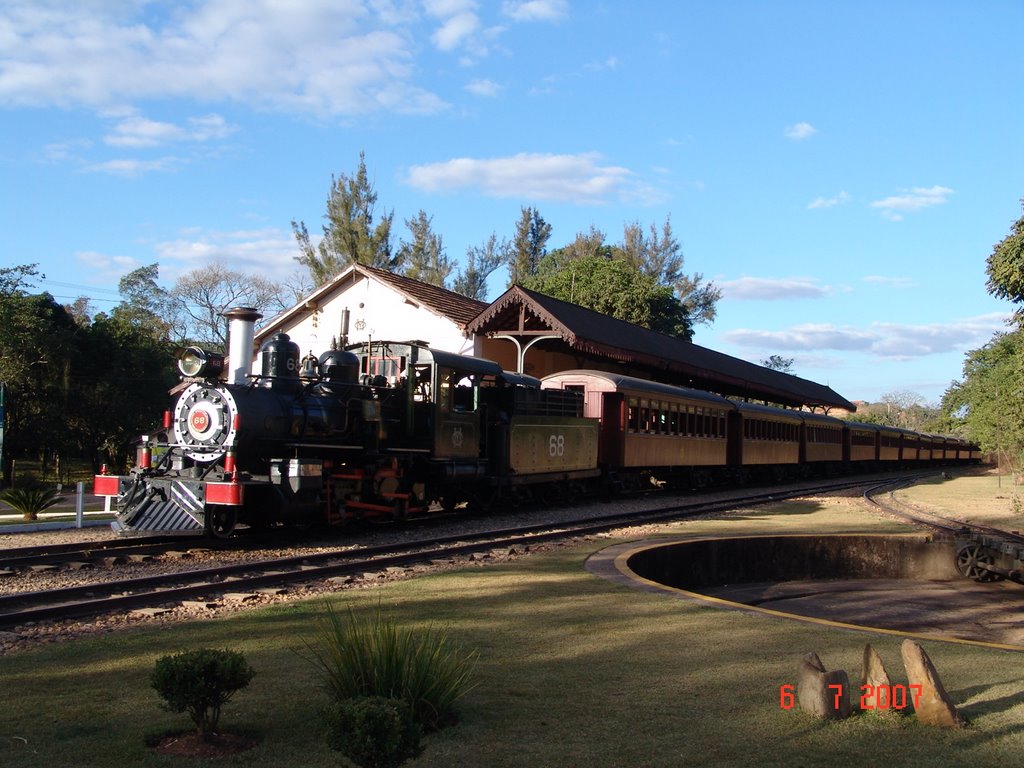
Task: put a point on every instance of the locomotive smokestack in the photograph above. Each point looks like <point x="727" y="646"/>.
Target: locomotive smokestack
<point x="241" y="333"/>
<point x="344" y="327"/>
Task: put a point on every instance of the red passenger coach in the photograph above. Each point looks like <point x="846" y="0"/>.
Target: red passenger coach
<point x="652" y="429"/>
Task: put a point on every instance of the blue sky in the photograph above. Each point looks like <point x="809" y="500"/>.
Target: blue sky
<point x="841" y="170"/>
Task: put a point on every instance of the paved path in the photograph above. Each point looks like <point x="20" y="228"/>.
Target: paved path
<point x="964" y="609"/>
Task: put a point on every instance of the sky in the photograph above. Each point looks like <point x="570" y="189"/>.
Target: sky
<point x="840" y="170"/>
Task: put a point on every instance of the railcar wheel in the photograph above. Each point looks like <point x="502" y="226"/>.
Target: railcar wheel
<point x="970" y="560"/>
<point x="220" y="521"/>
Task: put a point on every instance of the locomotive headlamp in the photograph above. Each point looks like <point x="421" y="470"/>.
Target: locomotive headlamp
<point x="196" y="362"/>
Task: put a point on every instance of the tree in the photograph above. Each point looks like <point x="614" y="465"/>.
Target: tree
<point x="118" y="362"/>
<point x="588" y="244"/>
<point x="201" y="296"/>
<point x="37" y="355"/>
<point x="481" y="261"/>
<point x="612" y="287"/>
<point x="660" y="256"/>
<point x="528" y="247"/>
<point x="424" y="257"/>
<point x="647" y="270"/>
<point x="778" y="363"/>
<point x="988" y="403"/>
<point x="1005" y="267"/>
<point x="350" y="235"/>
<point x="145" y="304"/>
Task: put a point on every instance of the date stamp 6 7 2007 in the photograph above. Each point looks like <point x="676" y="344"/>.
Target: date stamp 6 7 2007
<point x="881" y="697"/>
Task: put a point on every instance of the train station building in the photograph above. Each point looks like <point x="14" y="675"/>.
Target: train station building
<point x="526" y="332"/>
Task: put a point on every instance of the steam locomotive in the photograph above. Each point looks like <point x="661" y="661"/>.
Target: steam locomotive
<point x="377" y="429"/>
<point x="391" y="429"/>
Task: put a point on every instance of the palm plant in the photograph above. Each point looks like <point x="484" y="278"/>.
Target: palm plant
<point x="30" y="501"/>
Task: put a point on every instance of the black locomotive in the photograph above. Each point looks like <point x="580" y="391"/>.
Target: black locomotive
<point x="383" y="428"/>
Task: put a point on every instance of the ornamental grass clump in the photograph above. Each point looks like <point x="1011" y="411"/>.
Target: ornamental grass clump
<point x="30" y="500"/>
<point x="374" y="657"/>
<point x="201" y="682"/>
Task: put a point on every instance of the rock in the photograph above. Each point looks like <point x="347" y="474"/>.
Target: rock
<point x="240" y="597"/>
<point x="873" y="677"/>
<point x="837" y="687"/>
<point x="822" y="693"/>
<point x="201" y="604"/>
<point x="150" y="612"/>
<point x="933" y="705"/>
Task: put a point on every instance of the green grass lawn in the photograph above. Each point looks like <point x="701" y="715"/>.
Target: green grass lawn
<point x="573" y="671"/>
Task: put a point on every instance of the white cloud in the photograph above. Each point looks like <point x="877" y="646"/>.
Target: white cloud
<point x="800" y="131"/>
<point x="535" y="10"/>
<point x="134" y="130"/>
<point x="570" y="178"/>
<point x="132" y="168"/>
<point x="326" y="57"/>
<point x="483" y="87"/>
<point x="268" y="252"/>
<point x="911" y="201"/>
<point x="829" y="202"/>
<point x="773" y="289"/>
<point x="455" y="30"/>
<point x="882" y="340"/>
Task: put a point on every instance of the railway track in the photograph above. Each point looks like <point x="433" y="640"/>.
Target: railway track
<point x="983" y="552"/>
<point x="202" y="584"/>
<point x="94" y="551"/>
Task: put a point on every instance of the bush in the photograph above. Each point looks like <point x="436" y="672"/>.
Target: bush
<point x="200" y="682"/>
<point x="373" y="732"/>
<point x="375" y="657"/>
<point x="30" y="500"/>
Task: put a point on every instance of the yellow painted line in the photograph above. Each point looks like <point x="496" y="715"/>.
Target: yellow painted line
<point x="621" y="565"/>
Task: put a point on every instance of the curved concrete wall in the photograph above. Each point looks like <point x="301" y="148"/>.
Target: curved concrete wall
<point x="715" y="562"/>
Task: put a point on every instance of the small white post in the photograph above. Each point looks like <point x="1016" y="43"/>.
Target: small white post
<point x="79" y="503"/>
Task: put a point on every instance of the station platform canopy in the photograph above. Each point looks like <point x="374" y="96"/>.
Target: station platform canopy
<point x="539" y="326"/>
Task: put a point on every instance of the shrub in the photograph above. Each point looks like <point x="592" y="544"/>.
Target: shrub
<point x="374" y="657"/>
<point x="200" y="682"/>
<point x="373" y="732"/>
<point x="30" y="500"/>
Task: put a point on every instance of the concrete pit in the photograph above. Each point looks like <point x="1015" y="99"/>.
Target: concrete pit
<point x="900" y="584"/>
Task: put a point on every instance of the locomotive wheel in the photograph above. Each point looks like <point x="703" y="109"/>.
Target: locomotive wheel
<point x="969" y="562"/>
<point x="220" y="521"/>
